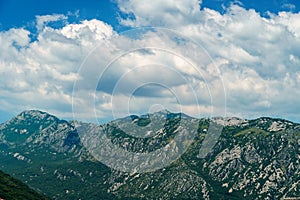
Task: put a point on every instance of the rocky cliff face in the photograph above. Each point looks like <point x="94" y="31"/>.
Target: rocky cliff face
<point x="252" y="159"/>
<point x="259" y="159"/>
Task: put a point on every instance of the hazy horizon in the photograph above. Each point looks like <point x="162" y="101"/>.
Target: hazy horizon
<point x="109" y="119"/>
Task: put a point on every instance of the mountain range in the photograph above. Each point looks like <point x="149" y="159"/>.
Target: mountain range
<point x="250" y="159"/>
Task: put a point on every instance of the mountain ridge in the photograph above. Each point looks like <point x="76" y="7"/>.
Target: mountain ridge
<point x="252" y="158"/>
<point x="163" y="111"/>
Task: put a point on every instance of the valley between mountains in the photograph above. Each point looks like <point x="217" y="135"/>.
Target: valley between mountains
<point x="252" y="159"/>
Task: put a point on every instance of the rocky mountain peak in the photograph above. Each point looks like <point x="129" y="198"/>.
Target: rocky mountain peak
<point x="39" y="128"/>
<point x="256" y="158"/>
<point x="36" y="115"/>
<point x="230" y="121"/>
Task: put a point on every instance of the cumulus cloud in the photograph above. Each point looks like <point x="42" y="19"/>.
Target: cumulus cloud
<point x="41" y="74"/>
<point x="43" y="20"/>
<point x="198" y="61"/>
<point x="260" y="56"/>
<point x="131" y="67"/>
<point x="156" y="13"/>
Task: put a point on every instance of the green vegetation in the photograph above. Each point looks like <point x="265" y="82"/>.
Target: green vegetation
<point x="252" y="131"/>
<point x="11" y="188"/>
<point x="247" y="159"/>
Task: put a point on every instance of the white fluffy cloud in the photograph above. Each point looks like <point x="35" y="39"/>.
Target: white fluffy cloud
<point x="43" y="20"/>
<point x="156" y="13"/>
<point x="259" y="56"/>
<point x="255" y="59"/>
<point x="41" y="74"/>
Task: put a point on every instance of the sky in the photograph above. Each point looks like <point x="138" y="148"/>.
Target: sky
<point x="101" y="60"/>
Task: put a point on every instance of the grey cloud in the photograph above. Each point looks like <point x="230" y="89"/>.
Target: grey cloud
<point x="258" y="60"/>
